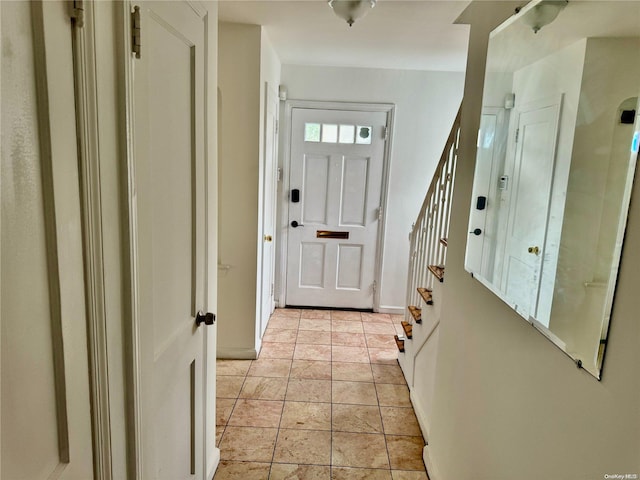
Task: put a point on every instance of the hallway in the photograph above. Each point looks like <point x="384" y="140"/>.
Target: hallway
<point x="325" y="400"/>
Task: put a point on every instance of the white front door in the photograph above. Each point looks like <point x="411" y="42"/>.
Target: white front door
<point x="534" y="160"/>
<point x="335" y="198"/>
<point x="268" y="205"/>
<point x="46" y="409"/>
<point x="170" y="183"/>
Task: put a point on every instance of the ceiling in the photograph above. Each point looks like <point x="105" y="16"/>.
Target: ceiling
<point x="412" y="35"/>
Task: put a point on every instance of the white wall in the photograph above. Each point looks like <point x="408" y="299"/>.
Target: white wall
<point x="246" y="60"/>
<point x="509" y="404"/>
<point x="426" y="105"/>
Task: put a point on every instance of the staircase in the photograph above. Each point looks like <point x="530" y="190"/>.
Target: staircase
<point x="429" y="235"/>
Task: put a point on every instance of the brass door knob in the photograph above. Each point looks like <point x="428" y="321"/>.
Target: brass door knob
<point x="534" y="250"/>
<point x="268" y="238"/>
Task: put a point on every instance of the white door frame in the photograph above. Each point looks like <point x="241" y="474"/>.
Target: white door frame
<point x="389" y="108"/>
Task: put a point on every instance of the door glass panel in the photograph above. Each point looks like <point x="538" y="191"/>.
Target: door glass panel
<point x="363" y="136"/>
<point x="347" y="133"/>
<point x="311" y="132"/>
<point x="329" y="133"/>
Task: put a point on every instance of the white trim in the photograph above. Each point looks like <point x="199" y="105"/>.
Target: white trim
<point x="432" y="471"/>
<point x="86" y="94"/>
<point x="215" y="462"/>
<point x="420" y="415"/>
<point x="237" y="353"/>
<point x="390" y="310"/>
<point x="389" y="108"/>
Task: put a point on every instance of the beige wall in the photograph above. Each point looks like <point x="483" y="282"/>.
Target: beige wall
<point x="509" y="404"/>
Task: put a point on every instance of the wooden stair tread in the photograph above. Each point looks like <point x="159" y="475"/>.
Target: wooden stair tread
<point x="444" y="241"/>
<point x="438" y="271"/>
<point x="399" y="343"/>
<point x="408" y="329"/>
<point x="425" y="293"/>
<point x="416" y="313"/>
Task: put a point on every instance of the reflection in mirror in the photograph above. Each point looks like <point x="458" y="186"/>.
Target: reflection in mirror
<point x="555" y="167"/>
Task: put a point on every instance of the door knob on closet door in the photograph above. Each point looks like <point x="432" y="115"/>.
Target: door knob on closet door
<point x="295" y="224"/>
<point x="206" y="318"/>
<point x="534" y="250"/>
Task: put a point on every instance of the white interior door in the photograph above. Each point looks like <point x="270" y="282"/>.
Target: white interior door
<point x="268" y="206"/>
<point x="45" y="405"/>
<point x="170" y="184"/>
<point x="337" y="163"/>
<point x="534" y="160"/>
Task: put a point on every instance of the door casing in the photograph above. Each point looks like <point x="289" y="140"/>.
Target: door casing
<point x="389" y="108"/>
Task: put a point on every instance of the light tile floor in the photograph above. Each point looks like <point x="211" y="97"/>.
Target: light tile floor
<point x="326" y="400"/>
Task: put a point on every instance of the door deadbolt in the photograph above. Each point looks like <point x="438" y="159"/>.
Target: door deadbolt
<point x="268" y="238"/>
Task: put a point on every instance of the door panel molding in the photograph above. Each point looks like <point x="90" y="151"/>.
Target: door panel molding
<point x="290" y="105"/>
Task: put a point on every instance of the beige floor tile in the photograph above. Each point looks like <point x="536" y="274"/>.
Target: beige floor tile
<point x="376" y="340"/>
<point x="228" y="386"/>
<point x="323" y="314"/>
<point x="306" y="416"/>
<point x="347" y="473"/>
<point x="311" y="369"/>
<point x="270" y="367"/>
<point x="313" y="352"/>
<point x="242" y="471"/>
<point x="219" y="433"/>
<point x="280" y="335"/>
<point x="287" y="312"/>
<point x="264" y="388"/>
<point x="358" y="393"/>
<point x="387" y="356"/>
<point x="256" y="413"/>
<point x="310" y="447"/>
<point x="315" y="324"/>
<point x="284" y="323"/>
<point x="393" y="395"/>
<point x="388" y="374"/>
<point x="404" y="475"/>
<point x="232" y="367"/>
<point x="356" y="418"/>
<point x="346" y="326"/>
<point x="277" y="350"/>
<point x="366" y="450"/>
<point x="344" y="315"/>
<point x="400" y="421"/>
<point x="405" y="452"/>
<point x="376" y="317"/>
<point x="292" y="471"/>
<point x="307" y="390"/>
<point x="380" y="328"/>
<point x="349" y="339"/>
<point x="353" y="372"/>
<point x="345" y="353"/>
<point x="314" y="337"/>
<point x="248" y="444"/>
<point x="224" y="407"/>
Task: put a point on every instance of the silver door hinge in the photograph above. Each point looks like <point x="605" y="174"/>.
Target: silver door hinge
<point x="385" y="133"/>
<point x="375" y="286"/>
<point x="272" y="289"/>
<point x="379" y="213"/>
<point x="277" y="126"/>
<point x="136" y="43"/>
<point x="76" y="8"/>
<point x="517" y="134"/>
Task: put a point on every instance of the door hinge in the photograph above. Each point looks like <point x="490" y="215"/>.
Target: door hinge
<point x="385" y="132"/>
<point x="77" y="12"/>
<point x="379" y="214"/>
<point x="136" y="43"/>
<point x="517" y="134"/>
<point x="374" y="286"/>
<point x="277" y="126"/>
<point x="272" y="289"/>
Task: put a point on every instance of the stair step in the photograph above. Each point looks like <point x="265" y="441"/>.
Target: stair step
<point x="438" y="271"/>
<point x="425" y="293"/>
<point x="444" y="241"/>
<point x="408" y="329"/>
<point x="416" y="313"/>
<point x="399" y="343"/>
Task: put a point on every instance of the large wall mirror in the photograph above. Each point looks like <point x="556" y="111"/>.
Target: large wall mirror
<point x="557" y="152"/>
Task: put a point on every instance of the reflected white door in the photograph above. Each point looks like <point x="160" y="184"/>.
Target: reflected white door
<point x="46" y="419"/>
<point x="170" y="186"/>
<point x="269" y="182"/>
<point x="535" y="150"/>
<point x="337" y="160"/>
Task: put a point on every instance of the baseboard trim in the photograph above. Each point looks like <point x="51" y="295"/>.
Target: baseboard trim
<point x="391" y="310"/>
<point x="211" y="471"/>
<point x="420" y="415"/>
<point x="237" y="353"/>
<point x="432" y="471"/>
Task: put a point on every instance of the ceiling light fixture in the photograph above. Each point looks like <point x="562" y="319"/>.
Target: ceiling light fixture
<point x="351" y="10"/>
<point x="543" y="13"/>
